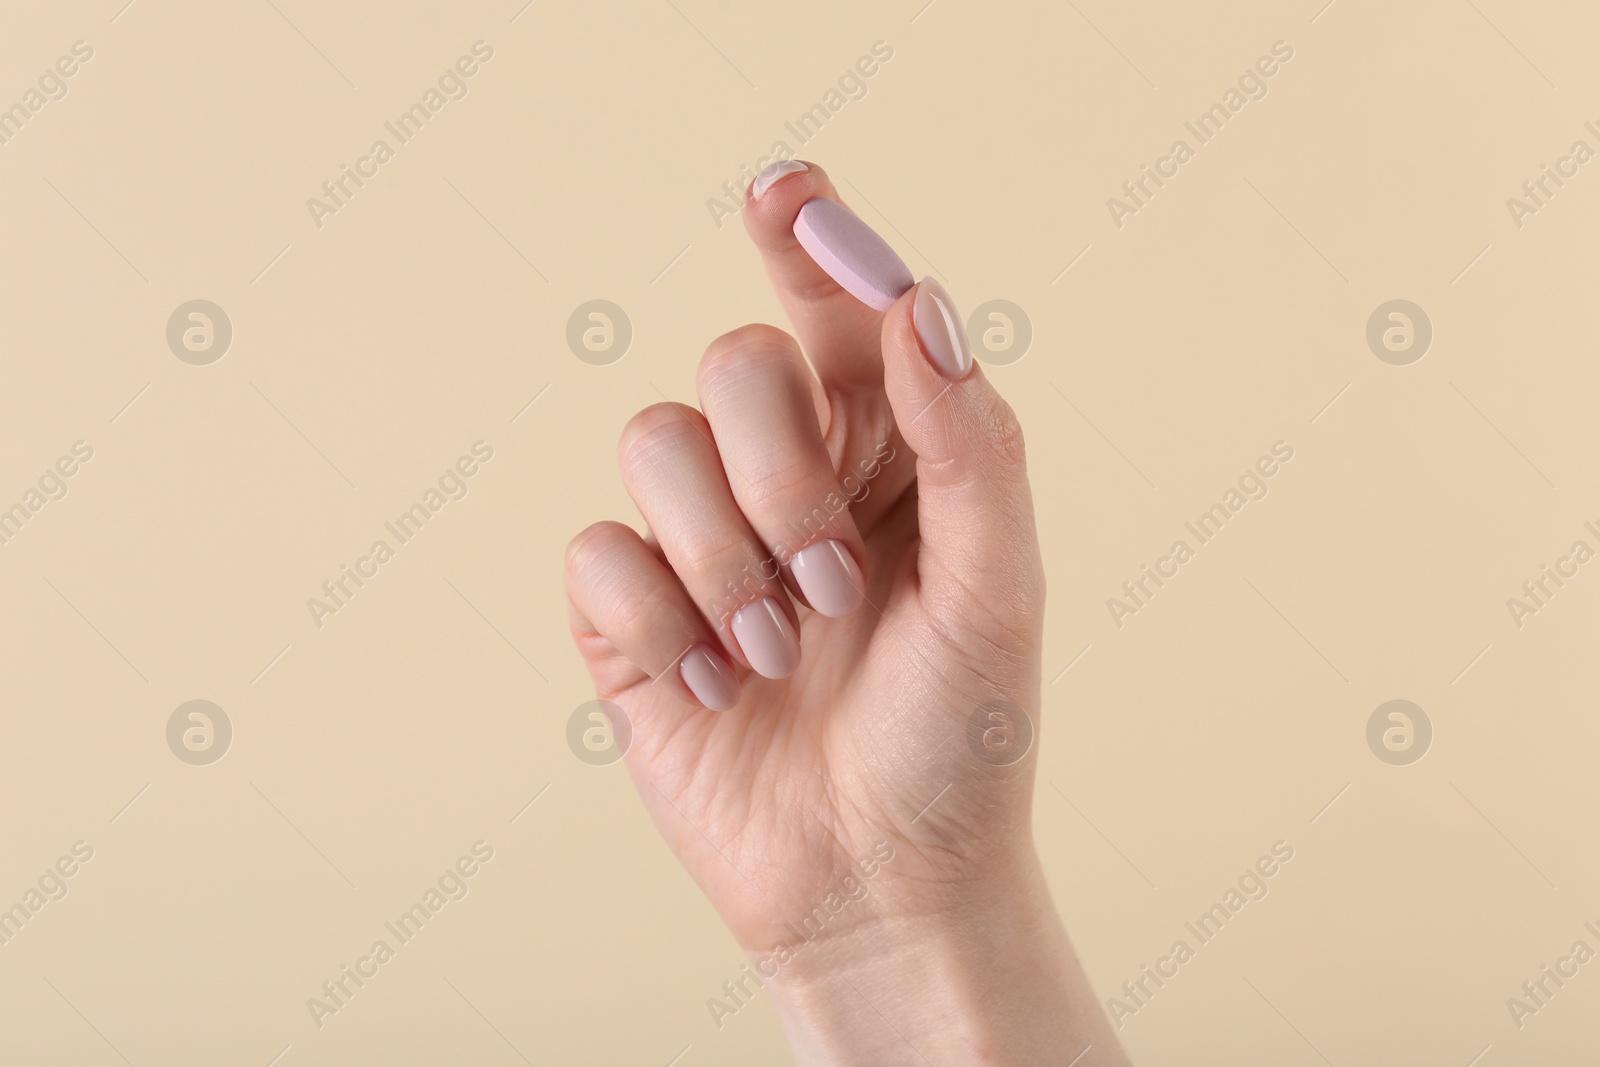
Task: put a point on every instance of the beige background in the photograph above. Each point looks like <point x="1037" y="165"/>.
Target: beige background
<point x="370" y="353"/>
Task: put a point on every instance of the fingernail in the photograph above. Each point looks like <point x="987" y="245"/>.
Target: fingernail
<point x="709" y="678"/>
<point x="853" y="255"/>
<point x="940" y="329"/>
<point x="770" y="175"/>
<point x="829" y="577"/>
<point x="767" y="638"/>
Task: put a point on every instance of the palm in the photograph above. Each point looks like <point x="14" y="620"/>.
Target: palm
<point x="769" y="805"/>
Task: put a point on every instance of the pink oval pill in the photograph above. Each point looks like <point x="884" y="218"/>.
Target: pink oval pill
<point x="852" y="253"/>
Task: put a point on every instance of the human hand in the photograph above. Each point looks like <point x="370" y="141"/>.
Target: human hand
<point x="843" y="750"/>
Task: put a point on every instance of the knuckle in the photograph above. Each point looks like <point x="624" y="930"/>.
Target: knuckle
<point x="603" y="571"/>
<point x="737" y="352"/>
<point x="658" y="430"/>
<point x="593" y="544"/>
<point x="983" y="444"/>
<point x="783" y="483"/>
<point x="817" y="286"/>
<point x="707" y="555"/>
<point x="634" y="615"/>
<point x="1000" y="427"/>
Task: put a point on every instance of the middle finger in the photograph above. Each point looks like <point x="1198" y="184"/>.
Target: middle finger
<point x="756" y="392"/>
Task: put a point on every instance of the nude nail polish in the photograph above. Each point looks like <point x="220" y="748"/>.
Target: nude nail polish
<point x="767" y="638"/>
<point x="709" y="678"/>
<point x="827" y="574"/>
<point x="853" y="255"/>
<point x="773" y="173"/>
<point x="941" y="331"/>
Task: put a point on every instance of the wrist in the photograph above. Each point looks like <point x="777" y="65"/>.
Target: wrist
<point x="980" y="973"/>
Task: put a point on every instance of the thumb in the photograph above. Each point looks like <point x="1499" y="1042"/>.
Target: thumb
<point x="980" y="549"/>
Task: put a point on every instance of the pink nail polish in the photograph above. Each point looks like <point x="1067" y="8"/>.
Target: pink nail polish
<point x="853" y="255"/>
<point x="827" y="574"/>
<point x="709" y="678"/>
<point x="940" y="329"/>
<point x="767" y="638"/>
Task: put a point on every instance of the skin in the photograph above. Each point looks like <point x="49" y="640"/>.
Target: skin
<point x="950" y="951"/>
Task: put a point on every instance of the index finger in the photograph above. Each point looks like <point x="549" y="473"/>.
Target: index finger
<point x="839" y="333"/>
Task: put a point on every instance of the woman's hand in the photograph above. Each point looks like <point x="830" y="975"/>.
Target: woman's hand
<point x="828" y="653"/>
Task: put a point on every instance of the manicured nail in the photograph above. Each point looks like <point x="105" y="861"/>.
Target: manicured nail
<point x="769" y="176"/>
<point x="853" y="255"/>
<point x="767" y="638"/>
<point x="941" y="331"/>
<point x="829" y="577"/>
<point x="709" y="678"/>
